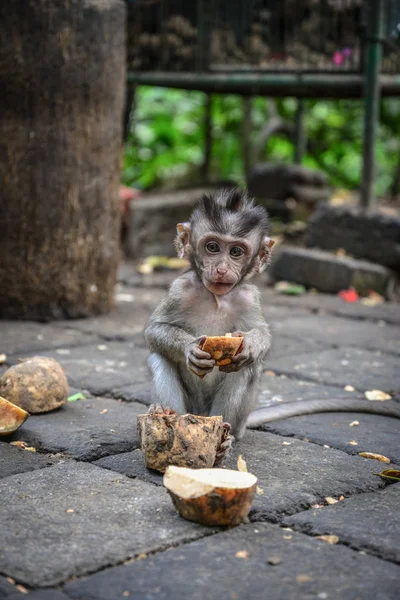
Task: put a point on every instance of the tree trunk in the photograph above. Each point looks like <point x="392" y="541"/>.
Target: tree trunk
<point x="62" y="81"/>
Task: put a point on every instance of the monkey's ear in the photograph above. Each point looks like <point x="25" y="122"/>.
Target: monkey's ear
<point x="182" y="239"/>
<point x="264" y="255"/>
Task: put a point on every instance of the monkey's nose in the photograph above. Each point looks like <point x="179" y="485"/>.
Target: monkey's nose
<point x="221" y="270"/>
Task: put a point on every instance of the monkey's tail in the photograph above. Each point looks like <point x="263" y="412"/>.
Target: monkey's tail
<point x="267" y="414"/>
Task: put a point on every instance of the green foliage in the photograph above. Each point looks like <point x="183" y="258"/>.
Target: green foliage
<point x="165" y="145"/>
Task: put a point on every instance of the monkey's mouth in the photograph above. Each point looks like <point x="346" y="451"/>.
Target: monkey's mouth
<point x="219" y="287"/>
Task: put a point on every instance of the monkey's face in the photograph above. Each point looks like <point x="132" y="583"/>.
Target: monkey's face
<point x="222" y="262"/>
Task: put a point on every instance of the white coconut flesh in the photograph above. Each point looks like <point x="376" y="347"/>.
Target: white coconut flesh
<point x="193" y="483"/>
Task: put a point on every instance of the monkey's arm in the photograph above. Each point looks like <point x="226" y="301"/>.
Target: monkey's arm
<point x="167" y="335"/>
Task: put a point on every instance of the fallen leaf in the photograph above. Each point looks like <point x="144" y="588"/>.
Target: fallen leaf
<point x="241" y="464"/>
<point x="330" y="500"/>
<point x="75" y="397"/>
<point x="291" y="289"/>
<point x="349" y="295"/>
<point x="104" y="411"/>
<point x="353" y="443"/>
<point x="354" y="423"/>
<point x="374" y="456"/>
<point x="270" y="373"/>
<point x="317" y="505"/>
<point x="287" y="536"/>
<point x="259" y="491"/>
<point x="11" y="580"/>
<point x="286" y="443"/>
<point x="392" y="474"/>
<point x="302" y="578"/>
<point x="341" y="497"/>
<point x="377" y="395"/>
<point x="19" y="444"/>
<point x="70" y="510"/>
<point x="126" y="593"/>
<point x="3" y="358"/>
<point x="22" y="589"/>
<point x="329" y="539"/>
<point x="141" y="556"/>
<point x="274" y="561"/>
<point x="242" y="554"/>
<point x="30" y="448"/>
<point x="349" y="388"/>
<point x="373" y="299"/>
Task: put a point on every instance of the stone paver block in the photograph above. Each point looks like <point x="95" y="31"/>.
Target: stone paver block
<point x="373" y="235"/>
<point x="296" y="476"/>
<point x="128" y="318"/>
<point x="86" y="429"/>
<point x="210" y="568"/>
<point x="16" y="460"/>
<point x="20" y="337"/>
<point x="135" y="392"/>
<point x="111" y="518"/>
<point x="327" y="272"/>
<point x="374" y="433"/>
<point x="368" y="522"/>
<point x="276" y="389"/>
<point x="283" y="346"/>
<point x="363" y="369"/>
<point x="336" y="331"/>
<point x="329" y="304"/>
<point x="102" y="367"/>
<point x="132" y="465"/>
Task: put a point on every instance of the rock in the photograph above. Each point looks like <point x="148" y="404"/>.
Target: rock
<point x="37" y="384"/>
<point x="329" y="273"/>
<point x="371" y="235"/>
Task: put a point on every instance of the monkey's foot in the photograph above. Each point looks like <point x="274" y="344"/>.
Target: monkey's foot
<point x="225" y="446"/>
<point x="158" y="409"/>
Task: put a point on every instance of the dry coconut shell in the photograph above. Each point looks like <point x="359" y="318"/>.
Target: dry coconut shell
<point x="183" y="440"/>
<point x="222" y="348"/>
<point x="11" y="416"/>
<point x="36" y="384"/>
<point x="211" y="496"/>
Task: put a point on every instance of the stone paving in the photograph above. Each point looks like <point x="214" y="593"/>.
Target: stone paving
<point x="83" y="519"/>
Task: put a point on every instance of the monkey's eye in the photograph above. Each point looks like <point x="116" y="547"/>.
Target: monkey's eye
<point x="236" y="251"/>
<point x="212" y="247"/>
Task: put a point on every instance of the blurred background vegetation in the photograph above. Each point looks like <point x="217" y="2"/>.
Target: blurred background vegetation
<point x="165" y="146"/>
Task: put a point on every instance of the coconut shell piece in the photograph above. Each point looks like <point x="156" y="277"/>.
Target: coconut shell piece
<point x="37" y="384"/>
<point x="183" y="440"/>
<point x="11" y="417"/>
<point x="211" y="496"/>
<point x="222" y="348"/>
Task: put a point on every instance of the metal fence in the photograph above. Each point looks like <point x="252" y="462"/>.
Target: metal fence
<point x="257" y="36"/>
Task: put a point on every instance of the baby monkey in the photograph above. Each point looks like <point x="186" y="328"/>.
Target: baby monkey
<point x="226" y="241"/>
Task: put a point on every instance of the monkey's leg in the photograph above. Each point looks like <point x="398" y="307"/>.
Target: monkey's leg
<point x="167" y="385"/>
<point x="235" y="399"/>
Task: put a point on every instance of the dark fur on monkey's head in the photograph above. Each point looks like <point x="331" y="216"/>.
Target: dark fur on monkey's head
<point x="231" y="212"/>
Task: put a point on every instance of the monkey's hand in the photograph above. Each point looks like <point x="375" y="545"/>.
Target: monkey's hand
<point x="247" y="353"/>
<point x="198" y="361"/>
<point x="225" y="446"/>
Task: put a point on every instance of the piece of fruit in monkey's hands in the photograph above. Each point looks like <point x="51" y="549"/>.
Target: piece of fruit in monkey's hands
<point x="222" y="348"/>
<point x="182" y="440"/>
<point x="211" y="496"/>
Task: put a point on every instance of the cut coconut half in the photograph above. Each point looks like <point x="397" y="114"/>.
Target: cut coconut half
<point x="11" y="417"/>
<point x="211" y="496"/>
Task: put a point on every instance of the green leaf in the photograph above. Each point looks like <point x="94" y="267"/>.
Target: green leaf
<point x="75" y="397"/>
